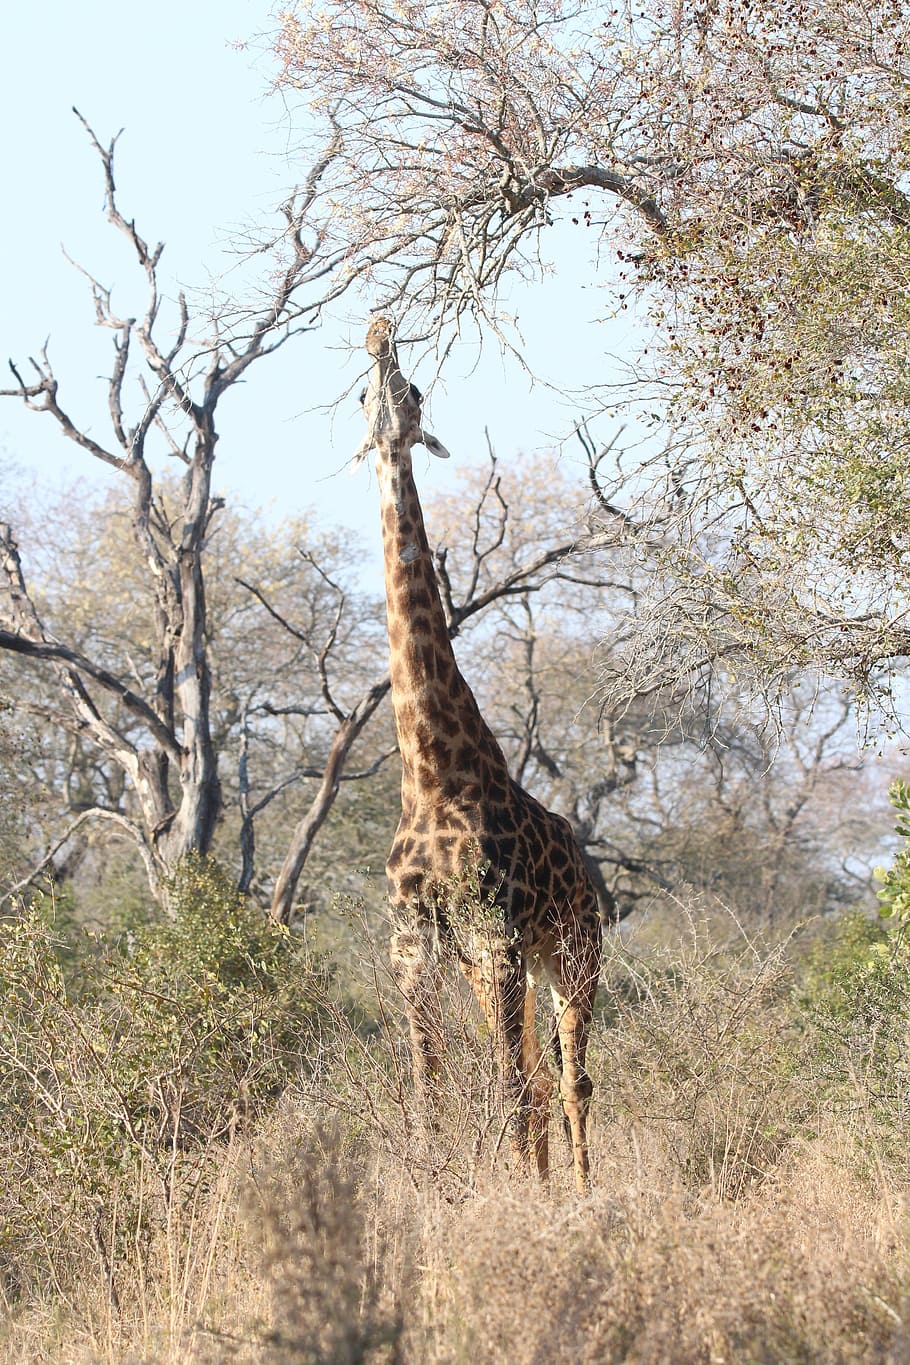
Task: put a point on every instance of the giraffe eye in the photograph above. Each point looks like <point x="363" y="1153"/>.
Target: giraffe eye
<point x="361" y="399"/>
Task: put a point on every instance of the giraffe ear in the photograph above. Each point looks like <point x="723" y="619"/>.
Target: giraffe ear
<point x="433" y="446"/>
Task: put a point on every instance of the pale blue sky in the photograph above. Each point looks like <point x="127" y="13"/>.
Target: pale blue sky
<point x="204" y="151"/>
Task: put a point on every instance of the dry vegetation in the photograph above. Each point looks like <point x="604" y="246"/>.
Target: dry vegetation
<point x="749" y="1149"/>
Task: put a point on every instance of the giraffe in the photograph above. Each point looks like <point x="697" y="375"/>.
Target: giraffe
<point x="464" y="821"/>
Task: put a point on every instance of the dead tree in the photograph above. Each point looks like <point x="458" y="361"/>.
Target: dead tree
<point x="170" y="392"/>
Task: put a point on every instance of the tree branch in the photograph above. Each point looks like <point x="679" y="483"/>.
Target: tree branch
<point x="51" y="650"/>
<point x="95" y="813"/>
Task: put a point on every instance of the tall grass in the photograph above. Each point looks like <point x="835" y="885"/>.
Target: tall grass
<point x="749" y="1200"/>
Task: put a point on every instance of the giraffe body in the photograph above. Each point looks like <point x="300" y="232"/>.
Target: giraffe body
<point x="477" y="864"/>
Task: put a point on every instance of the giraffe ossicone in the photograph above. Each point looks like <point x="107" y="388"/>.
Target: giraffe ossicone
<point x="476" y="861"/>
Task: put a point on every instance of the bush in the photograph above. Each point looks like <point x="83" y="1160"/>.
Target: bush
<point x="704" y="1058"/>
<point x="728" y="1220"/>
<point x="324" y="1267"/>
<point x="856" y="1009"/>
<point x="123" y="1064"/>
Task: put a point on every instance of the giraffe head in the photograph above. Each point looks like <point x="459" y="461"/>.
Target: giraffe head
<point x="379" y="337"/>
<point x="391" y="405"/>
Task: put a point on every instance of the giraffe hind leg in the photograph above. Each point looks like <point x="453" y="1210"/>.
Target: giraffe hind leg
<point x="534" y="1066"/>
<point x="557" y="1058"/>
<point x="573" y="983"/>
<point x="575" y="1085"/>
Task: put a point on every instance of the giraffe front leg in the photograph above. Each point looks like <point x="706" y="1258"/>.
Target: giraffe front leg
<point x="499" y="984"/>
<point x="415" y="970"/>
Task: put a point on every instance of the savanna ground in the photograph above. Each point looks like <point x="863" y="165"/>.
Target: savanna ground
<point x="205" y="1152"/>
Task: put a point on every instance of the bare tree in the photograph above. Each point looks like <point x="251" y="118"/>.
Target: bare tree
<point x="677" y="785"/>
<point x="170" y="763"/>
<point x="518" y="121"/>
<point x="149" y="716"/>
<point x="502" y="564"/>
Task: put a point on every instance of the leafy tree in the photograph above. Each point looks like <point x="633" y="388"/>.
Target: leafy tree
<point x="787" y="500"/>
<point x="476" y="118"/>
<point x="746" y="168"/>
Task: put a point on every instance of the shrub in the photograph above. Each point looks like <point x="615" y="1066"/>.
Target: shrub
<point x="122" y="1064"/>
<point x="895" y="892"/>
<point x="703" y="1057"/>
<point x="724" y="1222"/>
<point x="855" y="1002"/>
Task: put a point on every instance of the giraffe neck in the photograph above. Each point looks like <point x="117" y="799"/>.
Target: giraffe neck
<point x="441" y="733"/>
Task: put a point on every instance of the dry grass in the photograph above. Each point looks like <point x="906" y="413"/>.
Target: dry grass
<point x="737" y="1215"/>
